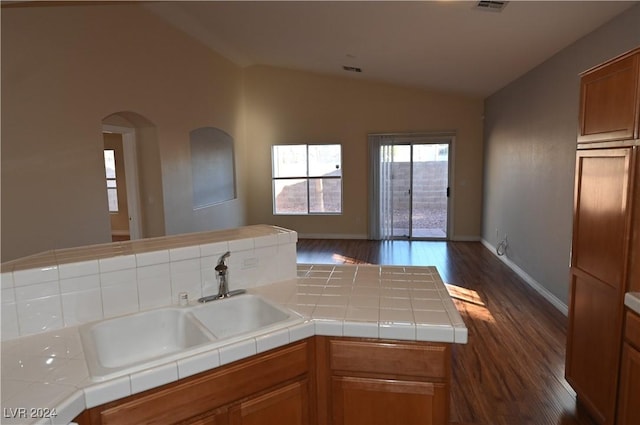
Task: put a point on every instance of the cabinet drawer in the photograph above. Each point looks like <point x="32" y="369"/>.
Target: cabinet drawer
<point x="632" y="329"/>
<point x="422" y="360"/>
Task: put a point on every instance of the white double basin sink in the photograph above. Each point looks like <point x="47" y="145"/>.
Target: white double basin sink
<point x="121" y="345"/>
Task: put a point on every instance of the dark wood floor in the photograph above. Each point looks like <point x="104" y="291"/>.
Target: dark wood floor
<point x="512" y="370"/>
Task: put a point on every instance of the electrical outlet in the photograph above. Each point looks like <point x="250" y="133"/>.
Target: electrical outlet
<point x="250" y="263"/>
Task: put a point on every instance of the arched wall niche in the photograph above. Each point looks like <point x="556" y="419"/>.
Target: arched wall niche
<point x="142" y="153"/>
<point x="212" y="167"/>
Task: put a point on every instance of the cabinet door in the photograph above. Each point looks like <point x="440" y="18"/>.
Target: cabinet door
<point x="368" y="401"/>
<point x="601" y="213"/>
<point x="609" y="101"/>
<point x="288" y="405"/>
<point x="593" y="343"/>
<point x="629" y="399"/>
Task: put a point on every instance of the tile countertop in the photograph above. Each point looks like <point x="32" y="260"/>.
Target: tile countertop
<point x="46" y="374"/>
<point x="632" y="300"/>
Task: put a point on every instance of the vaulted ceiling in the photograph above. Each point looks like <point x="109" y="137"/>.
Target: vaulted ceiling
<point x="451" y="46"/>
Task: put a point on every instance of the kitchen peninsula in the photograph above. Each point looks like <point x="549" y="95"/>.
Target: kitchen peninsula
<point x="359" y="335"/>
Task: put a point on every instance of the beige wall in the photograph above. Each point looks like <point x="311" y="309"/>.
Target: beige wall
<point x="64" y="69"/>
<point x="285" y="106"/>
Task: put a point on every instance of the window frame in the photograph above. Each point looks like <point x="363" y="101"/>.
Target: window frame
<point x="307" y="178"/>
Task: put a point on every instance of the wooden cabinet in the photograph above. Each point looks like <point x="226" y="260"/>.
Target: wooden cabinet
<point x="602" y="229"/>
<point x="284" y="405"/>
<point x="274" y="385"/>
<point x="321" y="380"/>
<point x="382" y="382"/>
<point x="610" y="100"/>
<point x="629" y="393"/>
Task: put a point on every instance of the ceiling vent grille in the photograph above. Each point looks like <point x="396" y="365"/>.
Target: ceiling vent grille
<point x="493" y="6"/>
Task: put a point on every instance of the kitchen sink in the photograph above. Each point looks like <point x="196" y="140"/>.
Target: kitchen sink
<point x="118" y="343"/>
<point x="114" y="347"/>
<point x="238" y="315"/>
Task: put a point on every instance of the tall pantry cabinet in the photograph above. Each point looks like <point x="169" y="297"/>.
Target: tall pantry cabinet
<point x="605" y="258"/>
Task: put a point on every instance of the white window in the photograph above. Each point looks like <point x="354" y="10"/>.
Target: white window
<point x="307" y="179"/>
<point x="112" y="186"/>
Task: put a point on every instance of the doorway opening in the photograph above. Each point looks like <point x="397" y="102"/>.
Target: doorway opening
<point x="410" y="187"/>
<point x="134" y="186"/>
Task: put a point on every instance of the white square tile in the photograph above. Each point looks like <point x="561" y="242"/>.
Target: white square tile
<point x="396" y="316"/>
<point x="40" y="315"/>
<point x="214" y="249"/>
<point x="237" y="351"/>
<point x="265" y="241"/>
<point x="82" y="268"/>
<point x="8" y="295"/>
<point x="460" y="335"/>
<point x="360" y="329"/>
<point x="71" y="372"/>
<point x="434" y="333"/>
<point x="119" y="300"/>
<point x="198" y="363"/>
<point x="81" y="283"/>
<point x="82" y="307"/>
<point x="301" y="331"/>
<point x="150" y="258"/>
<point x="364" y="301"/>
<point x="6" y="280"/>
<point x="97" y="394"/>
<point x="397" y="331"/>
<point x="184" y="253"/>
<point x="329" y="312"/>
<point x="332" y="300"/>
<point x="427" y="304"/>
<point x="119" y="277"/>
<point x="34" y="276"/>
<point x="272" y="340"/>
<point x="362" y="314"/>
<point x="121" y="262"/>
<point x="10" y="327"/>
<point x="240" y="245"/>
<point x="38" y="290"/>
<point x="154" y="286"/>
<point x="395" y="303"/>
<point x="328" y="327"/>
<point x="153" y="377"/>
<point x="68" y="409"/>
<point x="430" y="317"/>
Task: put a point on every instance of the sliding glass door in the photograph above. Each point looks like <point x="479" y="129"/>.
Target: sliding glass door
<point x="410" y="187"/>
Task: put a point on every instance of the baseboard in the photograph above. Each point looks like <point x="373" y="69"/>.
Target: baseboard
<point x="555" y="301"/>
<point x="466" y="238"/>
<point x="331" y="236"/>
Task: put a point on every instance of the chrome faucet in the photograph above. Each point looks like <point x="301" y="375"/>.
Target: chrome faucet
<point x="223" y="288"/>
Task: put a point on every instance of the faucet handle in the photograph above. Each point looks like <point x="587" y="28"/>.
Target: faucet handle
<point x="221" y="268"/>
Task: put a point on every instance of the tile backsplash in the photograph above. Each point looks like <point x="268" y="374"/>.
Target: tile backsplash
<point x="69" y="287"/>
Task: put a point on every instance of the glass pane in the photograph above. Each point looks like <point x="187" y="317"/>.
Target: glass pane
<point x="111" y="183"/>
<point x="110" y="163"/>
<point x="325" y="195"/>
<point x="290" y="196"/>
<point x="399" y="174"/>
<point x="430" y="182"/>
<point x="324" y="160"/>
<point x="289" y="161"/>
<point x="112" y="195"/>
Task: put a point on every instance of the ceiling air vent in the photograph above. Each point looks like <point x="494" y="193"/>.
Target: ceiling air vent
<point x="493" y="6"/>
<point x="352" y="69"/>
